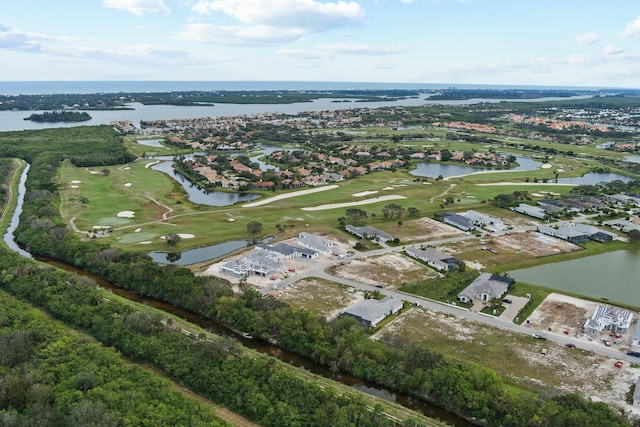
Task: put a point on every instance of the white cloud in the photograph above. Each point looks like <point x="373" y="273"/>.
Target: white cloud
<point x="138" y="7"/>
<point x="611" y="49"/>
<point x="311" y="15"/>
<point x="631" y="29"/>
<point x="587" y="38"/>
<point x="361" y="49"/>
<point x="382" y="64"/>
<point x="332" y="50"/>
<point x="241" y="35"/>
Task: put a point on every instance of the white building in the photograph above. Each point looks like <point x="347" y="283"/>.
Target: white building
<point x="607" y="317"/>
<point x="315" y="243"/>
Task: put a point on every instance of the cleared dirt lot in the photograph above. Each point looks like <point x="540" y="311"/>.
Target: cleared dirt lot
<point x="515" y="356"/>
<point x="419" y="230"/>
<point x="323" y="298"/>
<point x="534" y="243"/>
<point x="390" y="270"/>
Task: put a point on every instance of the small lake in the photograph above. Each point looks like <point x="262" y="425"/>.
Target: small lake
<point x="433" y="170"/>
<point x="632" y="159"/>
<point x="151" y="143"/>
<point x="197" y="194"/>
<point x="206" y="253"/>
<point x="612" y="275"/>
<point x="593" y="178"/>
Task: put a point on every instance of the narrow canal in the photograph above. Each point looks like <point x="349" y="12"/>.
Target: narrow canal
<point x="257" y="345"/>
<point x="272" y="350"/>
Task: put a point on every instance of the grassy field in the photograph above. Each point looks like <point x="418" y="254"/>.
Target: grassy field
<point x="513" y="355"/>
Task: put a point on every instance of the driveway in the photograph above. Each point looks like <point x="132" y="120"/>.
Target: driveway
<point x="512" y="310"/>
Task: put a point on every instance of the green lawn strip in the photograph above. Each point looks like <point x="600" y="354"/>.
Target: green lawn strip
<point x="12" y="190"/>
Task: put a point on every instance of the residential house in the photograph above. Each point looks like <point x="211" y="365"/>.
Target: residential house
<point x="532" y="211"/>
<point x="457" y="220"/>
<point x="368" y="232"/>
<point x="434" y="258"/>
<point x="287" y="251"/>
<point x="610" y="318"/>
<point x="486" y="287"/>
<point x="370" y="312"/>
<point x="256" y="263"/>
<point x="315" y="243"/>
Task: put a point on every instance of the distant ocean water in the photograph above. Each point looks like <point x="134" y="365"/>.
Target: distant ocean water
<point x="51" y="87"/>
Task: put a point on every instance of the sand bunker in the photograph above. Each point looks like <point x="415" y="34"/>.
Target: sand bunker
<point x="388" y="188"/>
<point x="126" y="168"/>
<point x="137" y="230"/>
<point x="75" y="181"/>
<point x="145" y="243"/>
<point x="537" y="195"/>
<point x="348" y="204"/>
<point x="182" y="236"/>
<point x="545" y="166"/>
<point x="231" y="219"/>
<point x="148" y="165"/>
<point x="74" y="186"/>
<point x="126" y="214"/>
<point x="560" y="170"/>
<point x="364" y="193"/>
<point x="289" y="195"/>
<point x="127" y="184"/>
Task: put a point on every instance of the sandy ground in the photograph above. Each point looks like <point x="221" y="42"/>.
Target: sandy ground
<point x="364" y="193"/>
<point x="289" y="195"/>
<point x="534" y="243"/>
<point x="602" y="379"/>
<point x="390" y="270"/>
<point x="323" y="299"/>
<point x="422" y="229"/>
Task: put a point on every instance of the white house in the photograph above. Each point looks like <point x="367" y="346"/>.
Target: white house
<point x="486" y="287"/>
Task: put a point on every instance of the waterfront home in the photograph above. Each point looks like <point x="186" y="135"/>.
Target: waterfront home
<point x="609" y="318"/>
<point x="577" y="233"/>
<point x="286" y="251"/>
<point x="370" y="312"/>
<point x="486" y="287"/>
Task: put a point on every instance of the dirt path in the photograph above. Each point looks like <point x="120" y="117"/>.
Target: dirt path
<point x="443" y="193"/>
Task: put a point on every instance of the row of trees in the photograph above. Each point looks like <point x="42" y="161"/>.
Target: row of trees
<point x="50" y="377"/>
<point x="410" y="367"/>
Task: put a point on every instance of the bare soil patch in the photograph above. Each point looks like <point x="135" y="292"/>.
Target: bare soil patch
<point x="390" y="270"/>
<point x="323" y="298"/>
<point x="536" y="244"/>
<point x="516" y="356"/>
<point x="421" y="229"/>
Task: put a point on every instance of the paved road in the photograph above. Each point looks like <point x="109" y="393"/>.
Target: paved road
<point x="319" y="271"/>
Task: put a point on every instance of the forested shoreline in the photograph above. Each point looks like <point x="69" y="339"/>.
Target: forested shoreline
<point x="470" y="390"/>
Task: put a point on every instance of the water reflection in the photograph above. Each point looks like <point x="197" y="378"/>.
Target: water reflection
<point x="197" y="194"/>
<point x="194" y="256"/>
<point x="9" y="238"/>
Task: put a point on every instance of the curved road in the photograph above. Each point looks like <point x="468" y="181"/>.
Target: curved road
<point x="319" y="271"/>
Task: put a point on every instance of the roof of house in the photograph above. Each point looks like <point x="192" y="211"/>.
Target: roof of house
<point x="368" y="231"/>
<point x="372" y="309"/>
<point x="457" y="219"/>
<point x="606" y="315"/>
<point x="491" y="284"/>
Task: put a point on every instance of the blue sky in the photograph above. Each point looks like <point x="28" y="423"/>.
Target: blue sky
<point x="507" y="42"/>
